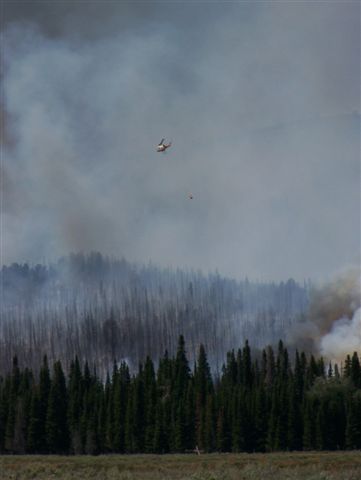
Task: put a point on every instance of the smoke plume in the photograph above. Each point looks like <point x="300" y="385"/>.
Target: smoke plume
<point x="333" y="326"/>
<point x="343" y="339"/>
<point x="261" y="100"/>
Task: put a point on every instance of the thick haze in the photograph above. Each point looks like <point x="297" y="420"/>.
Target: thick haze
<point x="261" y="102"/>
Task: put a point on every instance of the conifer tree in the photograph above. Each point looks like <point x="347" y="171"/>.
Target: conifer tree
<point x="239" y="367"/>
<point x="321" y="419"/>
<point x="164" y="416"/>
<point x="347" y="367"/>
<point x="129" y="424"/>
<point x="102" y="418"/>
<point x="22" y="411"/>
<point x="246" y="366"/>
<point x="57" y="437"/>
<point x="203" y="388"/>
<point x="353" y="428"/>
<point x="355" y="370"/>
<point x="237" y="422"/>
<point x="35" y="435"/>
<point x="308" y="438"/>
<point x="223" y="440"/>
<point x="311" y="372"/>
<point x="160" y="442"/>
<point x="150" y="397"/>
<point x="108" y="409"/>
<point x="135" y="415"/>
<point x="190" y="437"/>
<point x="121" y="392"/>
<point x="91" y="405"/>
<point x="260" y="419"/>
<point x="11" y="414"/>
<point x="299" y="375"/>
<point x="75" y="404"/>
<point x="5" y="388"/>
<point x="181" y="370"/>
<point x="294" y="426"/>
<point x="279" y="406"/>
<point x="209" y="426"/>
<point x="44" y="390"/>
<point x="180" y="426"/>
<point x="271" y="367"/>
<point x="179" y="403"/>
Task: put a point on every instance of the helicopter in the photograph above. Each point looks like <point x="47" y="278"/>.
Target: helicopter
<point x="162" y="147"/>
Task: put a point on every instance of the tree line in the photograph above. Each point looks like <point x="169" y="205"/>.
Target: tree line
<point x="261" y="404"/>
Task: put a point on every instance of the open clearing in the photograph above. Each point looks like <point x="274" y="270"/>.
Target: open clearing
<point x="274" y="466"/>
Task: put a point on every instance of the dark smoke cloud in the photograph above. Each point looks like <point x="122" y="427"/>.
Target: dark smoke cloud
<point x="258" y="101"/>
<point x="80" y="20"/>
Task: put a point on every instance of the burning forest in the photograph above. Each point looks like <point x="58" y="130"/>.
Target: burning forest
<point x="104" y="310"/>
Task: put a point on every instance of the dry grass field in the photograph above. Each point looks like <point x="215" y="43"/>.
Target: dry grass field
<point x="275" y="466"/>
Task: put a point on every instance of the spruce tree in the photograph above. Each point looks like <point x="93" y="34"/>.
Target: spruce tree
<point x="355" y="370"/>
<point x="121" y="391"/>
<point x="4" y="409"/>
<point x="181" y="370"/>
<point x="320" y="430"/>
<point x="237" y="421"/>
<point x="203" y="388"/>
<point x="91" y="405"/>
<point x="57" y="435"/>
<point x="209" y="426"/>
<point x="165" y="415"/>
<point x="180" y="426"/>
<point x="308" y="438"/>
<point x="35" y="434"/>
<point x="294" y="426"/>
<point x="44" y="390"/>
<point x="353" y="428"/>
<point x="190" y="416"/>
<point x="223" y="441"/>
<point x="11" y="414"/>
<point x="299" y="375"/>
<point x="150" y="396"/>
<point x="347" y="367"/>
<point x="160" y="442"/>
<point x="180" y="387"/>
<point x="75" y="405"/>
<point x="271" y="367"/>
<point x="260" y="419"/>
<point x="129" y="444"/>
<point x="102" y="419"/>
<point x="246" y="366"/>
<point x="135" y="415"/>
<point x="109" y="412"/>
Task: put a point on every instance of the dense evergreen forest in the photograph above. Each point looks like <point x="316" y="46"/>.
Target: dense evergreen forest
<point x="256" y="404"/>
<point x="103" y="309"/>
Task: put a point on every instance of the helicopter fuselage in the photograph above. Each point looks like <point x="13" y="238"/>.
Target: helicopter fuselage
<point x="162" y="147"/>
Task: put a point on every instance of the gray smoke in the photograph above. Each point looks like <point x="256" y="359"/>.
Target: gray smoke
<point x="333" y="324"/>
<point x="258" y="101"/>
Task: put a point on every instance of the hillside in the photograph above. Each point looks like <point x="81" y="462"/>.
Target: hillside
<point x="103" y="309"/>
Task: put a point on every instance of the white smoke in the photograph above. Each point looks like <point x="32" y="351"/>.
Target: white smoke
<point x="344" y="338"/>
<point x="332" y="327"/>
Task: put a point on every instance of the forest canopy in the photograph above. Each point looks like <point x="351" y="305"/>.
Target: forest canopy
<point x="271" y="403"/>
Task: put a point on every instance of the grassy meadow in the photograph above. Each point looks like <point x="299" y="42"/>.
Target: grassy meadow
<point x="275" y="466"/>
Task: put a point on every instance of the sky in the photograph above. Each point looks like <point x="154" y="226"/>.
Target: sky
<point x="261" y="101"/>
